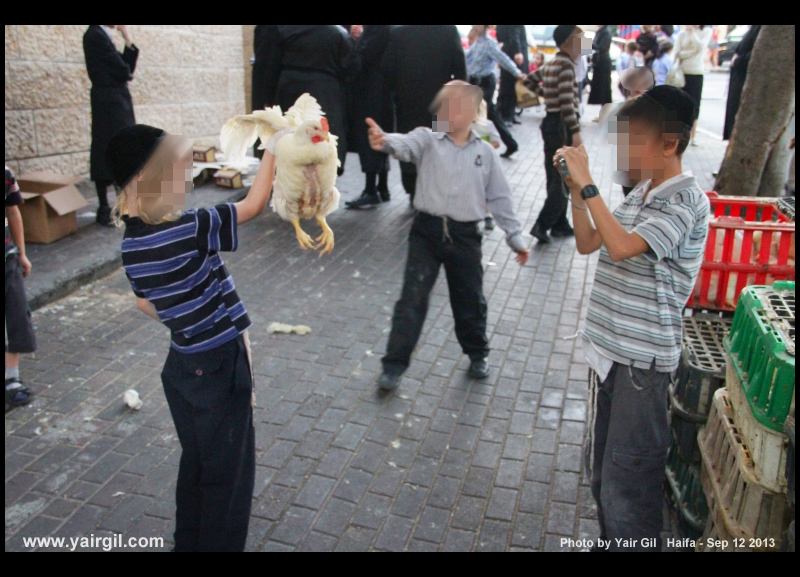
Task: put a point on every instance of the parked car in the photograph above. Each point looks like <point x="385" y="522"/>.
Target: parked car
<point x="728" y="46"/>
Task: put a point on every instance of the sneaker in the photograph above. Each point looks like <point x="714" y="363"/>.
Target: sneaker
<point x="478" y="369"/>
<point x="388" y="381"/>
<point x="103" y="217"/>
<point x="562" y="232"/>
<point x="17" y="394"/>
<point x="695" y="143"/>
<point x="364" y="201"/>
<point x="488" y="223"/>
<point x="540" y="234"/>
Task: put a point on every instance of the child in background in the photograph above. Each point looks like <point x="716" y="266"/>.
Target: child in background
<point x="626" y="60"/>
<point x="486" y="130"/>
<point x="663" y="62"/>
<point x="537" y="61"/>
<point x="171" y="258"/>
<point x="21" y="337"/>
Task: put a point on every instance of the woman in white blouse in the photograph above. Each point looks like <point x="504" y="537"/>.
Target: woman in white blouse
<point x="690" y="48"/>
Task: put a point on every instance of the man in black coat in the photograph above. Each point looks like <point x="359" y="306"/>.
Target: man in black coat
<point x="739" y="64"/>
<point x="370" y="99"/>
<point x="515" y="43"/>
<point x="313" y="58"/>
<point x="112" y="106"/>
<point x="266" y="69"/>
<point x="418" y="61"/>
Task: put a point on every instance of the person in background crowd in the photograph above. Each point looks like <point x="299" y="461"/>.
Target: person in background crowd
<point x="626" y="60"/>
<point x="647" y="44"/>
<point x="663" y="62"/>
<point x="712" y="54"/>
<point x="313" y="58"/>
<point x="560" y="127"/>
<point x="601" y="67"/>
<point x="665" y="31"/>
<point x="739" y="64"/>
<point x="690" y="48"/>
<point x="371" y="100"/>
<point x="482" y="56"/>
<point x="514" y="41"/>
<point x="414" y="86"/>
<point x="266" y="69"/>
<point x="537" y="62"/>
<point x="112" y="106"/>
<point x="20" y="334"/>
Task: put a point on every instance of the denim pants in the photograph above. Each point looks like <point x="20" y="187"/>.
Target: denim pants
<point x="630" y="441"/>
<point x="210" y="398"/>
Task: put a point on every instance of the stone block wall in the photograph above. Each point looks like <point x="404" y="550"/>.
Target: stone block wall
<point x="189" y="80"/>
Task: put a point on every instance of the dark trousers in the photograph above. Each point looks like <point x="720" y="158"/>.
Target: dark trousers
<point x="488" y="84"/>
<point x="631" y="436"/>
<point x="507" y="97"/>
<point x="555" y="135"/>
<point x="102" y="191"/>
<point x="428" y="248"/>
<point x="19" y="326"/>
<point x="209" y="395"/>
<point x="408" y="175"/>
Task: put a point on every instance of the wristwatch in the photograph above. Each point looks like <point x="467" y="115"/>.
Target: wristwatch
<point x="589" y="191"/>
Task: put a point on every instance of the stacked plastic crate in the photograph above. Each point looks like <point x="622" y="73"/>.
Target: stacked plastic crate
<point x="743" y="445"/>
<point x="700" y="373"/>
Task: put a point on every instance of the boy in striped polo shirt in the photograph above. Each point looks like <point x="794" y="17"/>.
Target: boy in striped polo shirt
<point x="172" y="260"/>
<point x="651" y="248"/>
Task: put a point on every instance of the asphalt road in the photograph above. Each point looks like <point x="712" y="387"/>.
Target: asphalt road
<point x="712" y="105"/>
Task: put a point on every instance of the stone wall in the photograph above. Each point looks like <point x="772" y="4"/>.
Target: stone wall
<point x="189" y="80"/>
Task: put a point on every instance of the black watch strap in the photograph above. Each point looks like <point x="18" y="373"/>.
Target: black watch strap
<point x="589" y="191"/>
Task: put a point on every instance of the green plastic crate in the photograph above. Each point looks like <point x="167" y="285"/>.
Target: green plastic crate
<point x="761" y="344"/>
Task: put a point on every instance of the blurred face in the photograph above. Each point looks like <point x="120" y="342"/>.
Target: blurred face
<point x="455" y="107"/>
<point x="640" y="152"/>
<point x="577" y="44"/>
<point x="161" y="197"/>
<point x="480" y="29"/>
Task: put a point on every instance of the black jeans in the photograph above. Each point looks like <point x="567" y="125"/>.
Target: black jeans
<point x="209" y="395"/>
<point x="408" y="176"/>
<point x="488" y="84"/>
<point x="555" y="135"/>
<point x="428" y="249"/>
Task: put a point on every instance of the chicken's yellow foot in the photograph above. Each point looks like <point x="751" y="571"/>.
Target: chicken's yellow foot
<point x="304" y="239"/>
<point x="325" y="240"/>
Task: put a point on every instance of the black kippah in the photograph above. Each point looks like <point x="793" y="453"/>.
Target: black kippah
<point x="677" y="104"/>
<point x="562" y="32"/>
<point x="130" y="149"/>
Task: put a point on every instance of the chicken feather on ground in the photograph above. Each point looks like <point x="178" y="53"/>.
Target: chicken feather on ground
<point x="305" y="163"/>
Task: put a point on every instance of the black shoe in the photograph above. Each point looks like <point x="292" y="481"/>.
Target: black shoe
<point x="515" y="121"/>
<point x="509" y="152"/>
<point x="388" y="381"/>
<point x="562" y="232"/>
<point x="539" y="233"/>
<point x="17" y="394"/>
<point x="488" y="223"/>
<point x="103" y="217"/>
<point x="478" y="369"/>
<point x="365" y="200"/>
<point x="385" y="196"/>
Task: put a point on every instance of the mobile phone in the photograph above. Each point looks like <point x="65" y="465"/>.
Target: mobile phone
<point x="563" y="164"/>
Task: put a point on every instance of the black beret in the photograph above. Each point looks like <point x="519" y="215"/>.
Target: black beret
<point x="676" y="102"/>
<point x="562" y="32"/>
<point x="130" y="149"/>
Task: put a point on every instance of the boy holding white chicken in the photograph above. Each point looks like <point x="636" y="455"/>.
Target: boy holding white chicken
<point x="458" y="176"/>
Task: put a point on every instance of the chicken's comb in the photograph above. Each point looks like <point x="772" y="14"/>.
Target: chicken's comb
<point x="324" y="122"/>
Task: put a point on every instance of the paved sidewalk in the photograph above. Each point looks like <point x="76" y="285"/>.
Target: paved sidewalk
<point x="443" y="464"/>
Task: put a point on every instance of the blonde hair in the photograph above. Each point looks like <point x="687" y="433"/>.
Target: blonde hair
<point x="153" y="171"/>
<point x="483" y="113"/>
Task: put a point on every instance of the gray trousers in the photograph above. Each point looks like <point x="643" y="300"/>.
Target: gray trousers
<point x="627" y="456"/>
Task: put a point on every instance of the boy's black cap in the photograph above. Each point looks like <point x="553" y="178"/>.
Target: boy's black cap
<point x="674" y="100"/>
<point x="130" y="149"/>
<point x="562" y="32"/>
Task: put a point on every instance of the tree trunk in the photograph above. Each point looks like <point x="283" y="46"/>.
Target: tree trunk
<point x="756" y="161"/>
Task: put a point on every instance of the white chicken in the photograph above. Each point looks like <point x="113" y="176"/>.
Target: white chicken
<point x="305" y="163"/>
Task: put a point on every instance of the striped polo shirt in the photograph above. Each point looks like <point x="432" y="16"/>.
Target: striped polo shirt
<point x="177" y="267"/>
<point x="635" y="308"/>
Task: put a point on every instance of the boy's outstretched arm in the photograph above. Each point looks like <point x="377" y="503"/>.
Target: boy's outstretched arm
<point x="147" y="308"/>
<point x="619" y="243"/>
<point x="253" y="204"/>
<point x="405" y="147"/>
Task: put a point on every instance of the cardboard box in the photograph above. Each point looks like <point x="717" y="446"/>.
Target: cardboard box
<point x="229" y="178"/>
<point x="51" y="200"/>
<point x="204" y="153"/>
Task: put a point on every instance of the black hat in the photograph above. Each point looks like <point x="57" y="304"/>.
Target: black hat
<point x="562" y="32"/>
<point x="676" y="102"/>
<point x="130" y="149"/>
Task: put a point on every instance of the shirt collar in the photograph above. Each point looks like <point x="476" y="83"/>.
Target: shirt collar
<point x="108" y="31"/>
<point x="644" y="186"/>
<point x="472" y="136"/>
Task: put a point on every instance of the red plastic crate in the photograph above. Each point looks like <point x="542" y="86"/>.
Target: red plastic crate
<point x="737" y="226"/>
